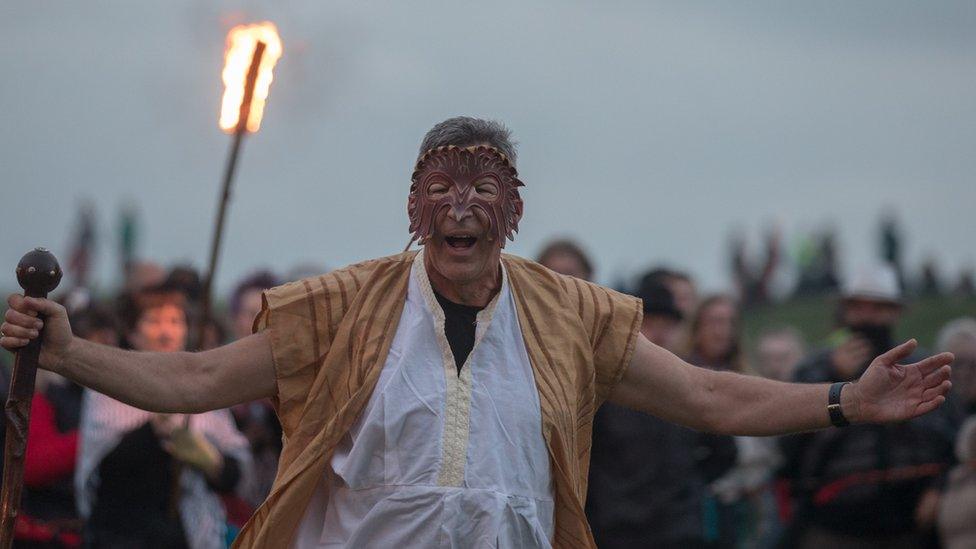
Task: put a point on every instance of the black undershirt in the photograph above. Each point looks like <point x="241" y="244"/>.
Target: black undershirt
<point x="460" y="322"/>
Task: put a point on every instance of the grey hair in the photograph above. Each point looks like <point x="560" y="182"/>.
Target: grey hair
<point x="954" y="330"/>
<point x="464" y="131"/>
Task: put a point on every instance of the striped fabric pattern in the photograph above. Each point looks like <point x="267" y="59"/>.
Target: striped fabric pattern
<point x="330" y="336"/>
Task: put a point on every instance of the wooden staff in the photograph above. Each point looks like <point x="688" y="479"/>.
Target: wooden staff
<point x="38" y="274"/>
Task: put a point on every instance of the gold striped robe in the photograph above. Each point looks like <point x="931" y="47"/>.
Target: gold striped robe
<point x="330" y="336"/>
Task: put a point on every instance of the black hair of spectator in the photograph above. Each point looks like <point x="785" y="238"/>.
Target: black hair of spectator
<point x="568" y="247"/>
<point x="681" y="275"/>
<point x="657" y="275"/>
<point x="187" y="280"/>
<point x="92" y="319"/>
<point x="260" y="280"/>
<point x="658" y="299"/>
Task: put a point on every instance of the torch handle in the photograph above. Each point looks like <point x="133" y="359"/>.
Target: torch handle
<point x="17" y="415"/>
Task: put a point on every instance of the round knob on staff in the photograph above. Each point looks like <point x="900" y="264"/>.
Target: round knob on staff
<point x="38" y="273"/>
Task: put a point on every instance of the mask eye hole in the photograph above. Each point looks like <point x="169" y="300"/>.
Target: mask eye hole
<point x="486" y="188"/>
<point x="436" y="189"/>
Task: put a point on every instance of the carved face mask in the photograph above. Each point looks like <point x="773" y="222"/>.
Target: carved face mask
<point x="461" y="180"/>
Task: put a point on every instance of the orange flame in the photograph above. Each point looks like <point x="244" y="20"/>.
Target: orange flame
<point x="241" y="42"/>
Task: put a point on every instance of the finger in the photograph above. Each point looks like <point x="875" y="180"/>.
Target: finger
<point x="928" y="406"/>
<point x="937" y="391"/>
<point x="14" y="316"/>
<point x="19" y="303"/>
<point x="933" y="379"/>
<point x="898" y="353"/>
<point x="19" y="332"/>
<point x="933" y="363"/>
<point x="13" y="343"/>
<point x="42" y="306"/>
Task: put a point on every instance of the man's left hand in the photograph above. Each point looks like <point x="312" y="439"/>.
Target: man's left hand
<point x="888" y="391"/>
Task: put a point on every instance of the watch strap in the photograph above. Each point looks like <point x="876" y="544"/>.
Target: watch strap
<point x="833" y="405"/>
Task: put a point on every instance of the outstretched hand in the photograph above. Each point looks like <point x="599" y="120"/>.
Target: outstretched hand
<point x="888" y="391"/>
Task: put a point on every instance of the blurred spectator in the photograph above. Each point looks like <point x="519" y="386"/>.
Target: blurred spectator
<point x="738" y="469"/>
<point x="47" y="517"/>
<point x="83" y="246"/>
<point x="929" y="285"/>
<point x="187" y="281"/>
<point x="778" y="351"/>
<point x="685" y="293"/>
<point x="662" y="318"/>
<point x="861" y="486"/>
<point x="891" y="245"/>
<point x="680" y="284"/>
<point x="713" y="340"/>
<point x="257" y="419"/>
<point x="143" y="274"/>
<point x="959" y="338"/>
<point x="96" y="324"/>
<point x="645" y="490"/>
<point x="817" y="261"/>
<point x="754" y="284"/>
<point x="966" y="287"/>
<point x="245" y="301"/>
<point x="957" y="506"/>
<point x="566" y="257"/>
<point x="128" y="457"/>
<point x="215" y="334"/>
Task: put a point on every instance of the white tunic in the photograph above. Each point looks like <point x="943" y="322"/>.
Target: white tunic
<point x="437" y="459"/>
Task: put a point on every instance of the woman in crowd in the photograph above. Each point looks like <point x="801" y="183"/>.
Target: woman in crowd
<point x="129" y="458"/>
<point x="738" y="468"/>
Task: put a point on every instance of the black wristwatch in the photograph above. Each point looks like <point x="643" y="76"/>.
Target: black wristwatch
<point x="833" y="405"/>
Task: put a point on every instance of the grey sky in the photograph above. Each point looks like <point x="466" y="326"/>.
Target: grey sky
<point x="647" y="130"/>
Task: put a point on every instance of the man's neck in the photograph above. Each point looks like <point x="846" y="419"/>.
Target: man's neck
<point x="475" y="293"/>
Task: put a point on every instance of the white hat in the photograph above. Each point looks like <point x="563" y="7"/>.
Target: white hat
<point x="876" y="283"/>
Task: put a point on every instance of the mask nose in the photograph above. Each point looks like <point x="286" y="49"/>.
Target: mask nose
<point x="458" y="212"/>
<point x="460" y="206"/>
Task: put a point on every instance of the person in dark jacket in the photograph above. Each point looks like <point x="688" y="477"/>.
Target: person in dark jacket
<point x="146" y="480"/>
<point x="860" y="486"/>
<point x="646" y="487"/>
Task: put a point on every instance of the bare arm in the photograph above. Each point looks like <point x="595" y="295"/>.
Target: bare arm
<point x="659" y="383"/>
<point x="158" y="382"/>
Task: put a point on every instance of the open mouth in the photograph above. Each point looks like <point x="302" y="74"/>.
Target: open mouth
<point x="461" y="242"/>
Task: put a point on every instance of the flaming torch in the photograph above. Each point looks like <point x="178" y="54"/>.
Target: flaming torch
<point x="250" y="57"/>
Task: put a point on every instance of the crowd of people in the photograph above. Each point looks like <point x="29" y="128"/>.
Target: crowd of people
<point x="100" y="473"/>
<point x="656" y="484"/>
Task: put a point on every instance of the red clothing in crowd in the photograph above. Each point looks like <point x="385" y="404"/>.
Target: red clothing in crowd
<point x="50" y="453"/>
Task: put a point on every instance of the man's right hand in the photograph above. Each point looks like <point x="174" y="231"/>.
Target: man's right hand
<point x="22" y="325"/>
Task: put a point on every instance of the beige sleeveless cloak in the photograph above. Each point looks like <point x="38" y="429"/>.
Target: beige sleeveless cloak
<point x="330" y="336"/>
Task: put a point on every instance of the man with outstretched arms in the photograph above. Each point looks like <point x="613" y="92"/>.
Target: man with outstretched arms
<point x="445" y="397"/>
